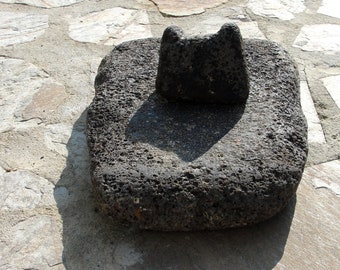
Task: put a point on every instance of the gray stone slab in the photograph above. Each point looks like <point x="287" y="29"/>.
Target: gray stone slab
<point x="182" y="166"/>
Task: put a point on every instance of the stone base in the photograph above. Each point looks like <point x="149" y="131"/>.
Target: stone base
<point x="182" y="166"/>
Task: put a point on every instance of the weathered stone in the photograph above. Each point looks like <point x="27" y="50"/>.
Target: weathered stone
<point x="248" y="28"/>
<point x="186" y="8"/>
<point x="111" y="26"/>
<point x="203" y="69"/>
<point x="184" y="166"/>
<point x="21" y="27"/>
<point x="319" y="37"/>
<point x="50" y="96"/>
<point x="325" y="176"/>
<point x="28" y="96"/>
<point x="332" y="85"/>
<point x="24" y="190"/>
<point x="315" y="132"/>
<point x="33" y="243"/>
<point x="330" y="8"/>
<point x="281" y="9"/>
<point x="43" y="3"/>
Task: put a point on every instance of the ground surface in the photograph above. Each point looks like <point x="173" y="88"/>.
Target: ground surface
<point x="49" y="54"/>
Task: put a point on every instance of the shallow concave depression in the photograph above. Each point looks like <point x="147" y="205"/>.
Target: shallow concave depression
<point x="191" y="166"/>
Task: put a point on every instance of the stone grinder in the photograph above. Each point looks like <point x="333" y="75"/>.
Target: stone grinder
<point x="199" y="133"/>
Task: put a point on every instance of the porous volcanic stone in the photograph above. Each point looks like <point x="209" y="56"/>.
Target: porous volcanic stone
<point x="204" y="69"/>
<point x="184" y="166"/>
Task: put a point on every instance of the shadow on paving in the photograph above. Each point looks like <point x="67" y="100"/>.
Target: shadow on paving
<point x="92" y="241"/>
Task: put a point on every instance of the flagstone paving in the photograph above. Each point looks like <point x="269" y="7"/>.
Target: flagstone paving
<point x="111" y="26"/>
<point x="332" y="84"/>
<point x="319" y="37"/>
<point x="315" y="131"/>
<point x="49" y="53"/>
<point x="281" y="9"/>
<point x="330" y="8"/>
<point x="21" y="27"/>
<point x="43" y="3"/>
<point x="185" y="8"/>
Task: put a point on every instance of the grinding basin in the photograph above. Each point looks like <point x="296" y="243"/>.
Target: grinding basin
<point x="190" y="166"/>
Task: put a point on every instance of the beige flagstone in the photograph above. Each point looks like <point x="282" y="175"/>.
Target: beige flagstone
<point x="325" y="176"/>
<point x="249" y="29"/>
<point x="332" y="85"/>
<point x="315" y="131"/>
<point x="319" y="37"/>
<point x="186" y="8"/>
<point x="111" y="26"/>
<point x="330" y="8"/>
<point x="49" y="97"/>
<point x="281" y="9"/>
<point x="16" y="27"/>
<point x="33" y="243"/>
<point x="28" y="93"/>
<point x="24" y="190"/>
<point x="43" y="3"/>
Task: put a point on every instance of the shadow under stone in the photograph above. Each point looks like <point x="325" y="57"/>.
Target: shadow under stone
<point x="93" y="241"/>
<point x="186" y="129"/>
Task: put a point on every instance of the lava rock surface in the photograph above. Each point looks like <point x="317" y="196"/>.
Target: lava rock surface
<point x="185" y="166"/>
<point x="203" y="69"/>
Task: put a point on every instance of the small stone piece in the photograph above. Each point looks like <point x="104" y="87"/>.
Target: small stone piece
<point x="208" y="69"/>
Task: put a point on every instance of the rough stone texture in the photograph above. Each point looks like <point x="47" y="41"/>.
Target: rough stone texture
<point x="177" y="166"/>
<point x="203" y="69"/>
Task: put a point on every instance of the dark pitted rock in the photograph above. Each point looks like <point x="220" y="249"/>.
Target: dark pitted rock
<point x="209" y="69"/>
<point x="184" y="166"/>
